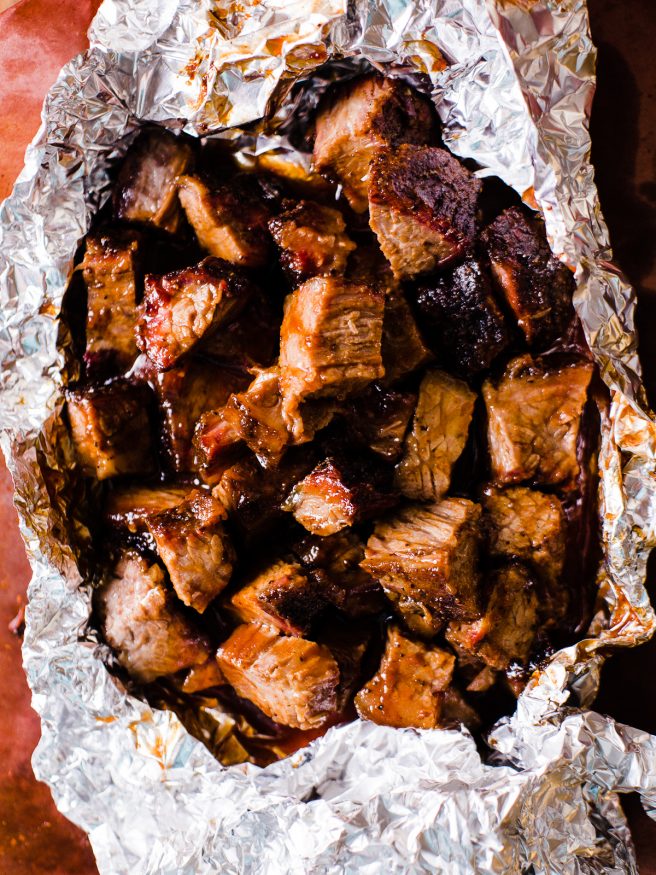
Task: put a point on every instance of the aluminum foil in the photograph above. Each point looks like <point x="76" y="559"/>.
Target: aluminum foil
<point x="513" y="83"/>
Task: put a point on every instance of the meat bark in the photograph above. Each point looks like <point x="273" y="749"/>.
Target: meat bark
<point x="128" y="507"/>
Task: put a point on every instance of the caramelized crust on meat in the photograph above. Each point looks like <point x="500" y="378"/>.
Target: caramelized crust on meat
<point x="408" y="688"/>
<point x="437" y="437"/>
<point x="128" y="507"/>
<point x="194" y="546"/>
<point x="422" y="208"/>
<point x="461" y="318"/>
<point x="141" y="623"/>
<point x="146" y="189"/>
<point x="281" y="596"/>
<point x="360" y="118"/>
<point x="111" y="274"/>
<point x="250" y="341"/>
<point x="506" y="631"/>
<point x="534" y="417"/>
<point x="291" y="680"/>
<point x="336" y="495"/>
<point x="111" y="431"/>
<point x="425" y="557"/>
<point x="330" y="342"/>
<point x="536" y="286"/>
<point x="379" y="419"/>
<point x="180" y="308"/>
<point x="312" y="240"/>
<point x="230" y="221"/>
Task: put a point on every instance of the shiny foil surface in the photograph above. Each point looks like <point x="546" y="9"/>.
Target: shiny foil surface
<point x="512" y="81"/>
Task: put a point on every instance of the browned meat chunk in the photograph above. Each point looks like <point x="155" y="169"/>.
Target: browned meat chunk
<point x="257" y="419"/>
<point x="379" y="419"/>
<point x="437" y="437"/>
<point x="179" y="308"/>
<point x="282" y="596"/>
<point x="336" y="495"/>
<point x="330" y="342"/>
<point x="530" y="526"/>
<point x="111" y="431"/>
<point x="537" y="287"/>
<point x="534" y="417"/>
<point x="112" y="276"/>
<point x="146" y="189"/>
<point x="230" y="221"/>
<point x="408" y="688"/>
<point x="360" y="118"/>
<point x="128" y="507"/>
<point x="250" y="341"/>
<point x="457" y="712"/>
<point x="461" y="318"/>
<point x="291" y="680"/>
<point x="426" y="557"/>
<point x="194" y="545"/>
<point x="312" y="240"/>
<point x="202" y="677"/>
<point x="141" y="623"/>
<point x="422" y="208"/>
<point x="506" y="631"/>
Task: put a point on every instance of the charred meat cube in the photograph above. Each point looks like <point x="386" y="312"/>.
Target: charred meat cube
<point x="528" y="525"/>
<point x="337" y="494"/>
<point x="141" y="623"/>
<point x="379" y="419"/>
<point x="506" y="631"/>
<point x="457" y="712"/>
<point x="312" y="240"/>
<point x="250" y="341"/>
<point x="422" y="208"/>
<point x="230" y="221"/>
<point x="293" y="681"/>
<point x="534" y="418"/>
<point x="330" y="342"/>
<point x="462" y="319"/>
<point x="128" y="507"/>
<point x="194" y="546"/>
<point x="281" y="596"/>
<point x="111" y="430"/>
<point x="403" y="348"/>
<point x="146" y="189"/>
<point x="256" y="416"/>
<point x="437" y="437"/>
<point x="408" y="688"/>
<point x="217" y="444"/>
<point x="426" y="556"/>
<point x="358" y="120"/>
<point x="536" y="286"/>
<point x="111" y="272"/>
<point x="181" y="307"/>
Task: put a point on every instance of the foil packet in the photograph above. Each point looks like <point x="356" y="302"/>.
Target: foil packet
<point x="512" y="82"/>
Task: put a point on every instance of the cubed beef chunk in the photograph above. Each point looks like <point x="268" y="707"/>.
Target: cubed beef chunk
<point x="338" y="494"/>
<point x="251" y="340"/>
<point x="457" y="712"/>
<point x="128" y="506"/>
<point x="360" y="118"/>
<point x="422" y="208"/>
<point x="111" y="430"/>
<point x="112" y="275"/>
<point x="334" y="562"/>
<point x="203" y="677"/>
<point x="534" y="418"/>
<point x="506" y="631"/>
<point x="281" y="596"/>
<point x="141" y="623"/>
<point x="379" y="419"/>
<point x="408" y="688"/>
<point x="181" y="307"/>
<point x="461" y="318"/>
<point x="425" y="557"/>
<point x="187" y="391"/>
<point x="536" y="286"/>
<point x="195" y="548"/>
<point x="230" y="221"/>
<point x="312" y="240"/>
<point x="146" y="189"/>
<point x="530" y="526"/>
<point x="293" y="681"/>
<point x="330" y="342"/>
<point x="437" y="438"/>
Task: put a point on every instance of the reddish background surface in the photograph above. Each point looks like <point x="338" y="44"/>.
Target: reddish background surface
<point x="36" y="38"/>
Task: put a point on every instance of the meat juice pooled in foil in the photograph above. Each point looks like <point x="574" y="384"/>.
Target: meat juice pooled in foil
<point x="347" y="469"/>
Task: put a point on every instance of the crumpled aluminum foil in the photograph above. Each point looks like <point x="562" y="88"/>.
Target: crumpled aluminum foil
<point x="514" y="94"/>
